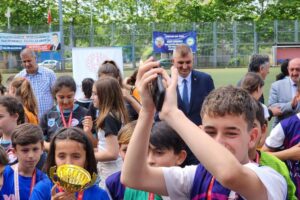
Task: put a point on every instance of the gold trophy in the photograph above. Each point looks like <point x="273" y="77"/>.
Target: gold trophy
<point x="72" y="178"/>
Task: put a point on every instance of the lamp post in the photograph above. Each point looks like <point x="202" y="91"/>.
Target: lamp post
<point x="7" y="14"/>
<point x="61" y="29"/>
<point x="91" y="25"/>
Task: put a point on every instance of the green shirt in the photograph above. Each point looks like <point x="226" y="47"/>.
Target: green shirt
<point x="138" y="194"/>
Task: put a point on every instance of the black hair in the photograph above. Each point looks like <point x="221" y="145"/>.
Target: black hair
<point x="76" y="134"/>
<point x="257" y="61"/>
<point x="2" y="89"/>
<point x="3" y="156"/>
<point x="164" y="137"/>
<point x="283" y="69"/>
<point x="131" y="80"/>
<point x="63" y="81"/>
<point x="26" y="134"/>
<point x="87" y="86"/>
<point x="13" y="106"/>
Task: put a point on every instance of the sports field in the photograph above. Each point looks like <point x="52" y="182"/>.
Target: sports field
<point x="226" y="76"/>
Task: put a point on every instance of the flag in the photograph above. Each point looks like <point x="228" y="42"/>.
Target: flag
<point x="49" y="18"/>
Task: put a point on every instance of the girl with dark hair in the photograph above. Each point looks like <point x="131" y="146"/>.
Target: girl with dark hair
<point x="69" y="146"/>
<point x="107" y="98"/>
<point x="86" y="86"/>
<point x="12" y="114"/>
<point x="65" y="113"/>
<point x="284" y="70"/>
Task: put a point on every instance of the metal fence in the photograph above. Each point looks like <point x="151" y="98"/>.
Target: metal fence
<point x="219" y="44"/>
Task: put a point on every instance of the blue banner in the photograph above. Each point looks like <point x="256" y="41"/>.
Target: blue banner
<point x="12" y="48"/>
<point x="165" y="42"/>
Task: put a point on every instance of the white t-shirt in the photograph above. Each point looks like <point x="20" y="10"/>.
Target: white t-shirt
<point x="277" y="136"/>
<point x="179" y="181"/>
<point x="266" y="111"/>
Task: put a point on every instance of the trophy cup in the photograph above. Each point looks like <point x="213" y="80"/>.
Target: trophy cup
<point x="72" y="178"/>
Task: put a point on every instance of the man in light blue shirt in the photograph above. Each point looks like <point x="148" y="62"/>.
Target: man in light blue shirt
<point x="41" y="79"/>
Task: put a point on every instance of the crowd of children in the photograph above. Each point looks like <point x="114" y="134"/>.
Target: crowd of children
<point x="112" y="133"/>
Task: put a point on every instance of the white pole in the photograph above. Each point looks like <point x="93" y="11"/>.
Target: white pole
<point x="7" y="14"/>
<point x="61" y="29"/>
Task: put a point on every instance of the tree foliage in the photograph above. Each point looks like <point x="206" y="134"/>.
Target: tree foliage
<point x="29" y="12"/>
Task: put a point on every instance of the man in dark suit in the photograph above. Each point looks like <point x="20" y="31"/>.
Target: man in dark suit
<point x="193" y="86"/>
<point x="56" y="44"/>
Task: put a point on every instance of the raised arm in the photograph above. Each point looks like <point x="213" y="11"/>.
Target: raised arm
<point x="136" y="173"/>
<point x="214" y="157"/>
<point x="87" y="123"/>
<point x="275" y="141"/>
<point x="219" y="161"/>
<point x="292" y="153"/>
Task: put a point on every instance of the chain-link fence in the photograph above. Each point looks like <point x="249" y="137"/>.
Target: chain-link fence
<point x="219" y="44"/>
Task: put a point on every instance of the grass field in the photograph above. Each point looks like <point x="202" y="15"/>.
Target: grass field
<point x="226" y="76"/>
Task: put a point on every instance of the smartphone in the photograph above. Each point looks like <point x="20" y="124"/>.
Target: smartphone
<point x="158" y="92"/>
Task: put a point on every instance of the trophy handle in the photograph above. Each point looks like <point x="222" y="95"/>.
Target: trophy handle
<point x="52" y="174"/>
<point x="93" y="180"/>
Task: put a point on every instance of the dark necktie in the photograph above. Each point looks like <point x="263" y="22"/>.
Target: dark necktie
<point x="185" y="97"/>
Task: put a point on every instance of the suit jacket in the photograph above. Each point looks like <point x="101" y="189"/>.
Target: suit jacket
<point x="55" y="48"/>
<point x="201" y="85"/>
<point x="281" y="95"/>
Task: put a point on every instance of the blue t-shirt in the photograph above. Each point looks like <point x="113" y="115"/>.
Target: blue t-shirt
<point x="1" y="196"/>
<point x="8" y="188"/>
<point x="114" y="186"/>
<point x="42" y="191"/>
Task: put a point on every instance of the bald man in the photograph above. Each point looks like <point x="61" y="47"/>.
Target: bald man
<point x="41" y="79"/>
<point x="283" y="93"/>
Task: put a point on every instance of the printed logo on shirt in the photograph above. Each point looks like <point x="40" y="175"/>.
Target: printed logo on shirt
<point x="51" y="122"/>
<point x="74" y="122"/>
